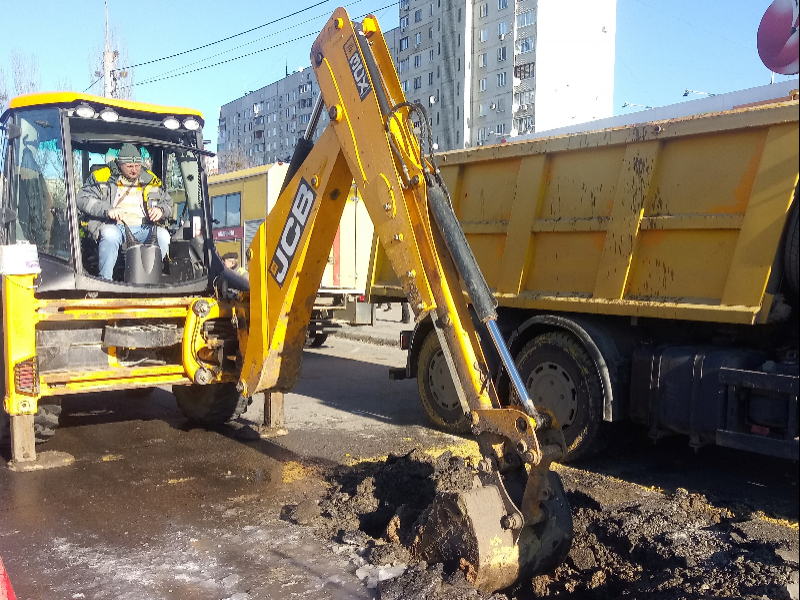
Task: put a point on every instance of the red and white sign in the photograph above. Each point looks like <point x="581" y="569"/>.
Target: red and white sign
<point x="777" y="39"/>
<point x="228" y="233"/>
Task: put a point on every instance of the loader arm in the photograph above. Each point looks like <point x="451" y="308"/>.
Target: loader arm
<point x="515" y="524"/>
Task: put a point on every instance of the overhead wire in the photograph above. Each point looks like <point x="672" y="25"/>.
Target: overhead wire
<point x="230" y="37"/>
<point x="321" y="15"/>
<point x="167" y="76"/>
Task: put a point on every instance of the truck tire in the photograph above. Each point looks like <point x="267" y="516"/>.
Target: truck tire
<point x="210" y="404"/>
<point x="437" y="390"/>
<point x="791" y="265"/>
<point x="316" y="340"/>
<point x="560" y="375"/>
<point x="45" y="424"/>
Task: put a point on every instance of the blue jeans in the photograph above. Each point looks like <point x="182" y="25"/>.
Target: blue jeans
<point x="113" y="235"/>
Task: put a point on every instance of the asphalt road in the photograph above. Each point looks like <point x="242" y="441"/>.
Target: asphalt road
<point x="154" y="508"/>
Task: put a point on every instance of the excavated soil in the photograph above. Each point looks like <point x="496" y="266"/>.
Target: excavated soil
<point x="629" y="542"/>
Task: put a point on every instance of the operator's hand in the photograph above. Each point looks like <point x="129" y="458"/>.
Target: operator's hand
<point x="114" y="214"/>
<point x="155" y="214"/>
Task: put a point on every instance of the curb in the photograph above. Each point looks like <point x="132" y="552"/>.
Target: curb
<point x="367" y="339"/>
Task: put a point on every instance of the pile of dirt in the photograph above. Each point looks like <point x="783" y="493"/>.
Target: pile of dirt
<point x="629" y="542"/>
<point x="633" y="543"/>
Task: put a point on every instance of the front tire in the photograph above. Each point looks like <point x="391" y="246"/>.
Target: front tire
<point x="214" y="404"/>
<point x="437" y="391"/>
<point x="560" y="375"/>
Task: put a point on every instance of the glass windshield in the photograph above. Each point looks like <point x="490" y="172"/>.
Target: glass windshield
<point x="39" y="193"/>
<point x="164" y="198"/>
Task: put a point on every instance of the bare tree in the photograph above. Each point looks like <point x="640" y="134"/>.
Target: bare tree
<point x="25" y="71"/>
<point x="234" y="159"/>
<point x="63" y="83"/>
<point x="123" y="77"/>
<point x="3" y="90"/>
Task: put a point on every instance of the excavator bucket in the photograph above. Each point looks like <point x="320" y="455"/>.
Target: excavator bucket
<point x="474" y="532"/>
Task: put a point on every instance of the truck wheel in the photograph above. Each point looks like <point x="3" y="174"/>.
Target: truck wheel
<point x="316" y="340"/>
<point x="560" y="375"/>
<point x="45" y="424"/>
<point x="791" y="264"/>
<point x="437" y="390"/>
<point x="210" y="404"/>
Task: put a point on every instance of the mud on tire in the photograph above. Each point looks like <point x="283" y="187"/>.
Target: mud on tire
<point x="560" y="374"/>
<point x="210" y="404"/>
<point x="437" y="390"/>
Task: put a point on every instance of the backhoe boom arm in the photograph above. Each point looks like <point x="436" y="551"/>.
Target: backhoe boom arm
<point x="374" y="139"/>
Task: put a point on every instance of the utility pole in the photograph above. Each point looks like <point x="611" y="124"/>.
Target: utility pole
<point x="109" y="82"/>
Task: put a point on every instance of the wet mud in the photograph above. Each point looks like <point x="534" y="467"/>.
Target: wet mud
<point x="629" y="541"/>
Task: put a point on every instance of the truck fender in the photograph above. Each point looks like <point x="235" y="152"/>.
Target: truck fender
<point x="609" y="347"/>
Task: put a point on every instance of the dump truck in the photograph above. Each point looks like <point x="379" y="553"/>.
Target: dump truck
<point x="181" y="318"/>
<point x="645" y="273"/>
<point x="243" y="198"/>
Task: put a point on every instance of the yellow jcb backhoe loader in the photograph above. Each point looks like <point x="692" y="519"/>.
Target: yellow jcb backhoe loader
<point x="217" y="339"/>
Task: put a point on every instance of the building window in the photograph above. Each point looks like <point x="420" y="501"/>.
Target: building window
<point x="501" y="105"/>
<point x="458" y="64"/>
<point x="524" y="98"/>
<point x="417" y="15"/>
<point x="430" y="78"/>
<point x="525" y="19"/>
<point x="404" y="85"/>
<point x="418" y="38"/>
<point x="482" y="60"/>
<point x="483" y="10"/>
<point x="227" y="210"/>
<point x="417" y="83"/>
<point x="524" y="125"/>
<point x="481" y="110"/>
<point x="524" y="71"/>
<point x="501" y="79"/>
<point x="500" y="129"/>
<point x="501" y="54"/>
<point x="501" y="4"/>
<point x="458" y="113"/>
<point x="430" y="55"/>
<point x="502" y="28"/>
<point x="404" y="4"/>
<point x="403" y="46"/>
<point x="404" y="21"/>
<point x="430" y="33"/>
<point x="431" y="13"/>
<point x="305" y="88"/>
<point x="482" y="84"/>
<point x="481" y="134"/>
<point x="483" y="35"/>
<point x="459" y="15"/>
<point x="418" y="61"/>
<point x="404" y="65"/>
<point x="524" y="45"/>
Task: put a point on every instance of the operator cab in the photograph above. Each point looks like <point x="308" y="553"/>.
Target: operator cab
<point x="52" y="142"/>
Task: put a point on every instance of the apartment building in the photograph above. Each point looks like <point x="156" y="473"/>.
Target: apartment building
<point x="487" y="70"/>
<point x="265" y="124"/>
<point x="484" y="70"/>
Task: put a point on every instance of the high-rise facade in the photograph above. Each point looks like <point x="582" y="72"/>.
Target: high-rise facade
<point x="485" y="71"/>
<point x="263" y="126"/>
<point x="489" y="69"/>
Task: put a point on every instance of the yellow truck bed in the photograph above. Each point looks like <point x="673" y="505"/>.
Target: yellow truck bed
<point x="676" y="219"/>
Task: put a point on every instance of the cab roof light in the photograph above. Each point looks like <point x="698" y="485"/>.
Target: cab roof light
<point x="85" y="111"/>
<point x="171" y="123"/>
<point x="191" y="124"/>
<point x="109" y="115"/>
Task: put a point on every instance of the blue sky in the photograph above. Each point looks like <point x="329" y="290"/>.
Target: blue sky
<point x="662" y="46"/>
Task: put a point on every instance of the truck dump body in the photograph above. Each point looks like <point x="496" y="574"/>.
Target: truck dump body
<point x="678" y="219"/>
